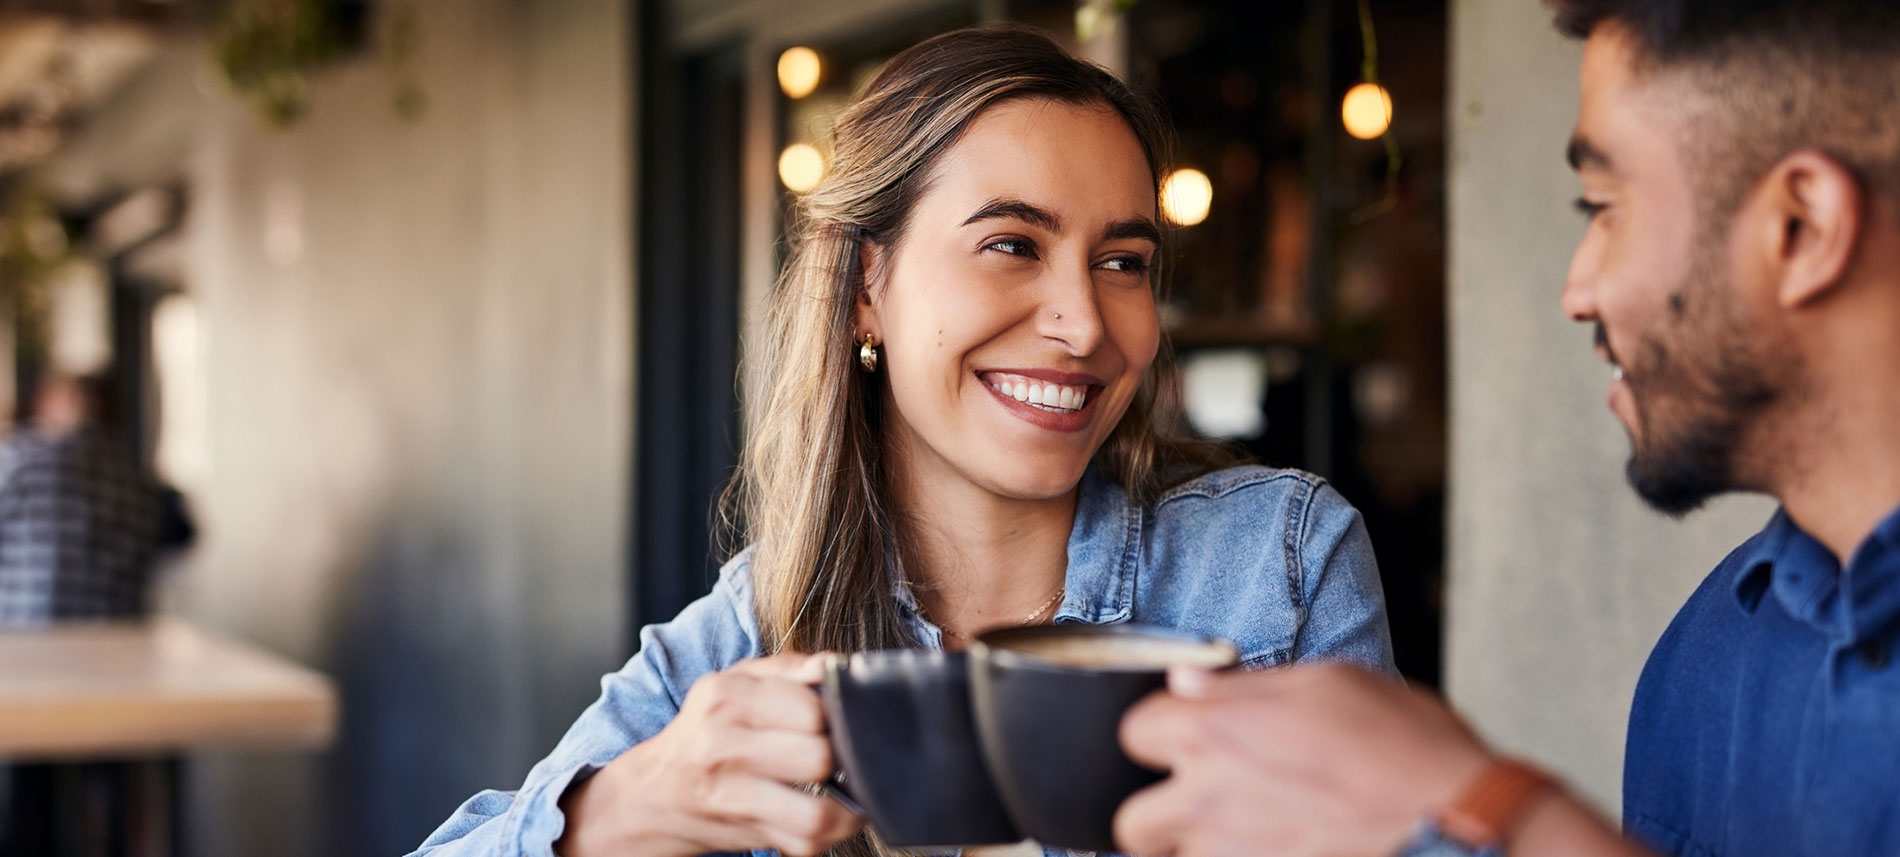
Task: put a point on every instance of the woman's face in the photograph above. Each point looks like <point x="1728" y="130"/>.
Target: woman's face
<point x="1017" y="312"/>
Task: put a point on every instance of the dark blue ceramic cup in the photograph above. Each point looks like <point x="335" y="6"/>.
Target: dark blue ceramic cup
<point x="1049" y="703"/>
<point x="906" y="746"/>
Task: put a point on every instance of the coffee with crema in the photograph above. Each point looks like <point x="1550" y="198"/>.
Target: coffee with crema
<point x="1119" y="652"/>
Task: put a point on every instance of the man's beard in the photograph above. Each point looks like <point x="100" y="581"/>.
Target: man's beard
<point x="1688" y="447"/>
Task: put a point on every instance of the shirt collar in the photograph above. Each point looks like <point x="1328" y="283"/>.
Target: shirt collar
<point x="1806" y="580"/>
<point x="1102" y="554"/>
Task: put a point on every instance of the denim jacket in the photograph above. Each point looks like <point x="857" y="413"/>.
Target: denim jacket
<point x="1274" y="560"/>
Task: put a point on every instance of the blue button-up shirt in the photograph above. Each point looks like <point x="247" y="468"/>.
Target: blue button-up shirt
<point x="1274" y="560"/>
<point x="1767" y="721"/>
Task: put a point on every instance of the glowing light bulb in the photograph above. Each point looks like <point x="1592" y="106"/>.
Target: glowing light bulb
<point x="1186" y="196"/>
<point x="1367" y="111"/>
<point x="800" y="167"/>
<point x="798" y="72"/>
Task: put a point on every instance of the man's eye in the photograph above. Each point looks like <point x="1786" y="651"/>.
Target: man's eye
<point x="1013" y="246"/>
<point x="1590" y="209"/>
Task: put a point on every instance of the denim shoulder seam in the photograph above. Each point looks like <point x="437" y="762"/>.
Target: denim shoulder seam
<point x="1226" y="481"/>
<point x="1299" y="524"/>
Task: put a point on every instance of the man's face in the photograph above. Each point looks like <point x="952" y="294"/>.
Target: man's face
<point x="1688" y="375"/>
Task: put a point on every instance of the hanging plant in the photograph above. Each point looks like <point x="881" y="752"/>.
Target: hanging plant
<point x="267" y="51"/>
<point x="33" y="247"/>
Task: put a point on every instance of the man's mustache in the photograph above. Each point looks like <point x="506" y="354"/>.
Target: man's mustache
<point x="1603" y="342"/>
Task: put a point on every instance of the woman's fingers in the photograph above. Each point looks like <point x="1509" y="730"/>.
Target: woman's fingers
<point x="791" y="820"/>
<point x="757" y="699"/>
<point x="797" y="668"/>
<point x="782" y="756"/>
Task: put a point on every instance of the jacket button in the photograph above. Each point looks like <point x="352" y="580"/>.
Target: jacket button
<point x="1874" y="655"/>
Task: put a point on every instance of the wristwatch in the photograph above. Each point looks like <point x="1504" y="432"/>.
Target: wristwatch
<point x="1479" y="821"/>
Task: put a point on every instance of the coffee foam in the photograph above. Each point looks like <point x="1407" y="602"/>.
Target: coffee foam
<point x="1118" y="651"/>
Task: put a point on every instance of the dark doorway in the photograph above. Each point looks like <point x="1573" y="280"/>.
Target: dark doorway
<point x="687" y="412"/>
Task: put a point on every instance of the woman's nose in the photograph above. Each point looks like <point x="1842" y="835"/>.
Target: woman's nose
<point x="1070" y="314"/>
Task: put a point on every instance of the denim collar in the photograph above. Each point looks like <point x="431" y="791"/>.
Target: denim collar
<point x="1806" y="580"/>
<point x="1104" y="547"/>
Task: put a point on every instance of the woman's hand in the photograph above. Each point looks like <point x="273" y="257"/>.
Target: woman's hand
<point x="720" y="776"/>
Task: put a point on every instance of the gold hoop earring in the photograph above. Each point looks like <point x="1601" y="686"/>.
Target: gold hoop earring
<point x="867" y="353"/>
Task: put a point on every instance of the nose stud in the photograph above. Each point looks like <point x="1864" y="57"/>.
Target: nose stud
<point x="1058" y="315"/>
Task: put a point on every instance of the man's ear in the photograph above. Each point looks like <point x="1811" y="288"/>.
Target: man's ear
<point x="1806" y="217"/>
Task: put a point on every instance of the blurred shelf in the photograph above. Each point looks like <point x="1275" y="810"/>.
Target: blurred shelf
<point x="1240" y="332"/>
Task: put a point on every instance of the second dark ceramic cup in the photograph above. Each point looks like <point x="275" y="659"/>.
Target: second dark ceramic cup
<point x="902" y="733"/>
<point x="1049" y="702"/>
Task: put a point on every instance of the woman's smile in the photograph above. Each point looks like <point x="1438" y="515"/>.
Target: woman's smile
<point x="1058" y="401"/>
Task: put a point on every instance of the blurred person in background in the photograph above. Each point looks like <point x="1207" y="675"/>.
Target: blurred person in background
<point x="1740" y="163"/>
<point x="81" y="523"/>
<point x="958" y="430"/>
<point x="82" y="527"/>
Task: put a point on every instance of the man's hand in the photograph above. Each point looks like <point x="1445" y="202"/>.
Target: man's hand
<point x="1300" y="762"/>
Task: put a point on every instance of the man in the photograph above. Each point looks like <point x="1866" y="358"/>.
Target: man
<point x="1740" y="162"/>
<point x="80" y="524"/>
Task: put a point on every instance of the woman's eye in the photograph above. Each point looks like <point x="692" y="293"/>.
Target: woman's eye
<point x="1013" y="246"/>
<point x="1590" y="209"/>
<point x="1127" y="264"/>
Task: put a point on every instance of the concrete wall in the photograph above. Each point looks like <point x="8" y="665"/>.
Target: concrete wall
<point x="420" y="420"/>
<point x="1560" y="580"/>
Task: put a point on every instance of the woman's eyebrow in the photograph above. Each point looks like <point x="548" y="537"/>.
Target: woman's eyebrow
<point x="1134" y="227"/>
<point x="1019" y="210"/>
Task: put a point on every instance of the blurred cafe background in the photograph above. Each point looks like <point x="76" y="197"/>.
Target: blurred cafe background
<point x="432" y="311"/>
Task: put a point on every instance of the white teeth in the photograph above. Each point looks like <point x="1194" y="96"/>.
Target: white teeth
<point x="1616" y="373"/>
<point x="1047" y="396"/>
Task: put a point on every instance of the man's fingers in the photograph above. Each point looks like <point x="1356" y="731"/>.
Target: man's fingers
<point x="1253" y="684"/>
<point x="1190" y="682"/>
<point x="1150" y="821"/>
<point x="1160" y="729"/>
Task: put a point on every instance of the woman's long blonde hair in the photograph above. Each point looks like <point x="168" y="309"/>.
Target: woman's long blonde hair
<point x="811" y="490"/>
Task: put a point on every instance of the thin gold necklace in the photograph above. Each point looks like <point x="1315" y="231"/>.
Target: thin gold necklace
<point x="1027" y="620"/>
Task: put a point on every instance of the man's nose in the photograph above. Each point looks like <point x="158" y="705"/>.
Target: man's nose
<point x="1579" y="299"/>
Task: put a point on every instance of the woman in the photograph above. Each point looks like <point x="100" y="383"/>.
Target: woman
<point x="958" y="429"/>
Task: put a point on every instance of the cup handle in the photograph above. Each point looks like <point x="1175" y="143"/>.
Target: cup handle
<point x="835" y="789"/>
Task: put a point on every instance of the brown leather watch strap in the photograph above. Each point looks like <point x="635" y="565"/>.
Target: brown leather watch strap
<point x="1492" y="806"/>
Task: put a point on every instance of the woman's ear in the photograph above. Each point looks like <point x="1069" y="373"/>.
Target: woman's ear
<point x="874" y="261"/>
